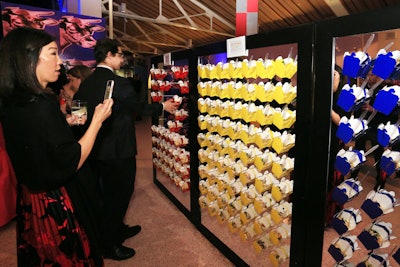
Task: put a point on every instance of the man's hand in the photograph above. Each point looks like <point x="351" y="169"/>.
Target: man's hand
<point x="171" y="106"/>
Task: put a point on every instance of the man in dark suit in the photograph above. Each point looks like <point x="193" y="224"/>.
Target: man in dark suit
<point x="113" y="155"/>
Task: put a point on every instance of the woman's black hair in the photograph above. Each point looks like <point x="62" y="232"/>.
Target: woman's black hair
<point x="104" y="46"/>
<point x="19" y="56"/>
<point x="342" y="79"/>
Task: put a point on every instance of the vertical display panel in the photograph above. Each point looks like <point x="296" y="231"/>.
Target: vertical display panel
<point x="251" y="205"/>
<point x="362" y="214"/>
<point x="360" y="206"/>
<point x="247" y="115"/>
<point x="170" y="134"/>
<point x="274" y="109"/>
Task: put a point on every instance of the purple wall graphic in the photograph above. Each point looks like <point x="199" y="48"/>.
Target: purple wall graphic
<point x="76" y="34"/>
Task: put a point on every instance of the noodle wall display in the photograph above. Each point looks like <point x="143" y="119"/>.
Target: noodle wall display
<point x="171" y="156"/>
<point x="273" y="181"/>
<point x="247" y="115"/>
<point x="238" y="140"/>
<point x="365" y="228"/>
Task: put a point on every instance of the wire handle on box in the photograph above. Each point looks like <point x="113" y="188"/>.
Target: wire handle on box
<point x="362" y="179"/>
<point x="371" y="90"/>
<point x="374" y="112"/>
<point x="362" y="116"/>
<point x="397" y="124"/>
<point x="354" y="183"/>
<point x="364" y="83"/>
<point x="388" y="46"/>
<point x="372" y="149"/>
<point x="290" y="52"/>
<point x="378" y="162"/>
<point x="266" y="57"/>
<point x="369" y="42"/>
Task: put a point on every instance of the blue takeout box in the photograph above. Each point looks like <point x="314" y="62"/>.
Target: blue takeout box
<point x="384" y="65"/>
<point x="354" y="68"/>
<point x="386" y="101"/>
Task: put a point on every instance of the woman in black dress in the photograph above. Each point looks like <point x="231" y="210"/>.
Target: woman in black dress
<point x="46" y="157"/>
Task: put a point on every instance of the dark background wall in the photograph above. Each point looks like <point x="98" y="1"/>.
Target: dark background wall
<point x="49" y="4"/>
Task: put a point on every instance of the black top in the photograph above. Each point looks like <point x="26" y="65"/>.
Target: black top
<point x="45" y="156"/>
<point x="116" y="138"/>
<point x="41" y="146"/>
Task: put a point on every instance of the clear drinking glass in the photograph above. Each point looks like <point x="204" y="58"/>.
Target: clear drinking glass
<point x="79" y="109"/>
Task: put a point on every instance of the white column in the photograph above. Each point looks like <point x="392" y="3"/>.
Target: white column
<point x="85" y="7"/>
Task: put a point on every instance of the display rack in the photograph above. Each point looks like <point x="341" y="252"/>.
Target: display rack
<point x="170" y="149"/>
<point x="247" y="133"/>
<point x="230" y="244"/>
<point x="335" y="43"/>
<point x="315" y="46"/>
<point x="173" y="138"/>
<point x="242" y="244"/>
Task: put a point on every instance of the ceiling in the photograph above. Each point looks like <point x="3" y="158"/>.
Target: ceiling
<point x="156" y="27"/>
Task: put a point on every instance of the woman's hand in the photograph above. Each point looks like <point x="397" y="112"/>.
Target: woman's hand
<point x="75" y="120"/>
<point x="71" y="120"/>
<point x="102" y="111"/>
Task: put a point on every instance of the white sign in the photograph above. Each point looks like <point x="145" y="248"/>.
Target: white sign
<point x="167" y="59"/>
<point x="236" y="47"/>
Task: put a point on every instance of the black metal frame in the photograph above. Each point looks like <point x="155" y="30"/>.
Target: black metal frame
<point x="194" y="209"/>
<point x="325" y="33"/>
<point x="303" y="37"/>
<point x="314" y="78"/>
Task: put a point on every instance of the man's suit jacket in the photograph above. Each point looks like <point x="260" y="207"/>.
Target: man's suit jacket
<point x="116" y="138"/>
